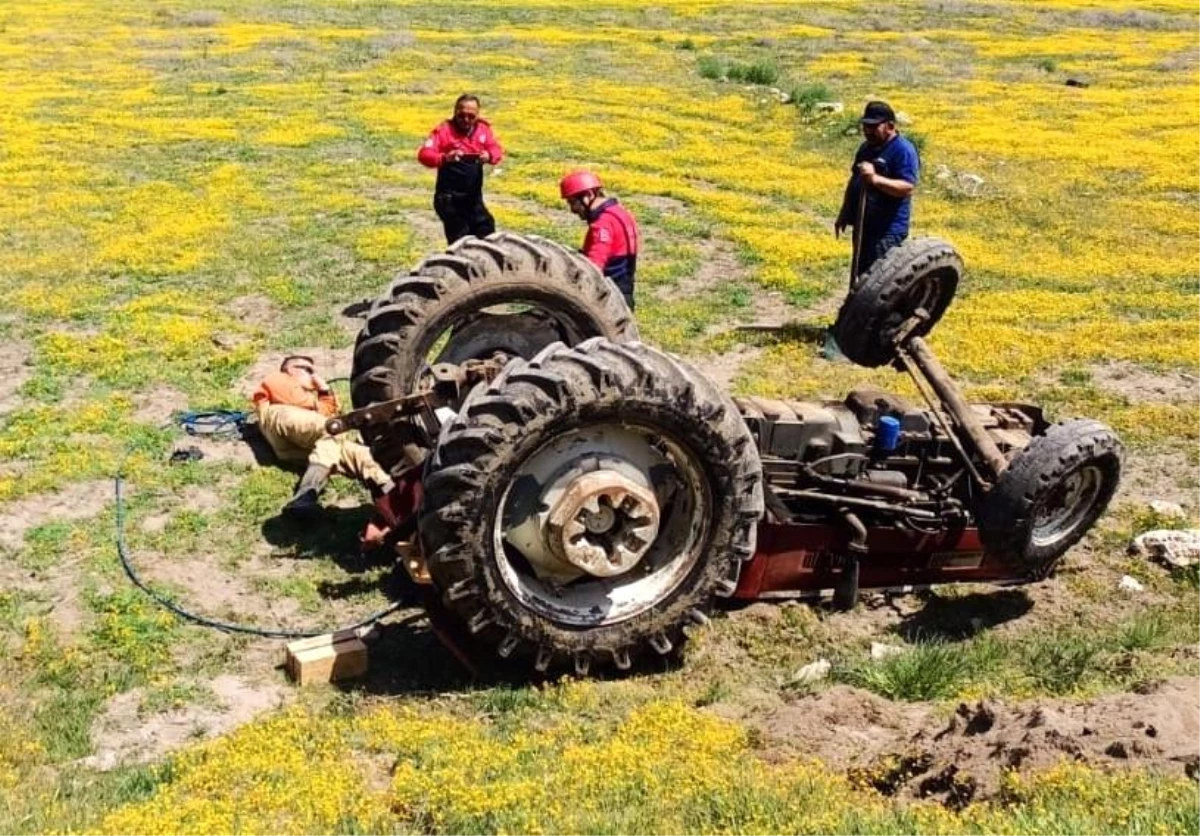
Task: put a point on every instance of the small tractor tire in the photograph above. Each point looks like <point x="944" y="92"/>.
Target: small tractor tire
<point x="921" y="273"/>
<point x="586" y="411"/>
<point x="565" y="299"/>
<point x="1051" y="494"/>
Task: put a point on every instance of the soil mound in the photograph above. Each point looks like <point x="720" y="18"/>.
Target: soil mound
<point x="914" y="750"/>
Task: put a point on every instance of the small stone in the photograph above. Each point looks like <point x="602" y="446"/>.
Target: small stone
<point x="883" y="651"/>
<point x="902" y="118"/>
<point x="829" y="107"/>
<point x="970" y="183"/>
<point x="1130" y="584"/>
<point x="812" y="672"/>
<point x="943" y="172"/>
<point x="1172" y="510"/>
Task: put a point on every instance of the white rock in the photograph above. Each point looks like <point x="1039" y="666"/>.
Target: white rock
<point x="1167" y="509"/>
<point x="812" y="672"/>
<point x="883" y="651"/>
<point x="829" y="107"/>
<point x="1130" y="584"/>
<point x="943" y="172"/>
<point x="971" y="183"/>
<point x="1175" y="548"/>
<point x="903" y="118"/>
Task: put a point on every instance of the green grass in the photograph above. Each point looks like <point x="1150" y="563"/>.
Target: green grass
<point x="926" y="671"/>
<point x="307" y="228"/>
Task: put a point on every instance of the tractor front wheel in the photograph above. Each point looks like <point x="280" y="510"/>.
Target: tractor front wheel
<point x="1051" y="494"/>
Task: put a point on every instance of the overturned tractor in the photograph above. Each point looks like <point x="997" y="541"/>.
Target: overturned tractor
<point x="574" y="498"/>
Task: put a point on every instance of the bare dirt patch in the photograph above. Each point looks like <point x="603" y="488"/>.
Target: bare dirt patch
<point x="255" y="310"/>
<point x="123" y="736"/>
<point x="1139" y="384"/>
<point x="1166" y="476"/>
<point x="15" y="369"/>
<point x="661" y="202"/>
<point x="74" y="502"/>
<point x="158" y="407"/>
<point x="962" y="758"/>
<point x="205" y="587"/>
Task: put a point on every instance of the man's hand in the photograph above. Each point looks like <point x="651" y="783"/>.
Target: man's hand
<point x="453" y="156"/>
<point x="319" y="382"/>
<point x="839" y="226"/>
<point x="485" y="157"/>
<point x="866" y="173"/>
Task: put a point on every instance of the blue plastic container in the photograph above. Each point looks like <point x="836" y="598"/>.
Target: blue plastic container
<point x="887" y="434"/>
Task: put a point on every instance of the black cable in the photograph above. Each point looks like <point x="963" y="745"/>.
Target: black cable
<point x="226" y="627"/>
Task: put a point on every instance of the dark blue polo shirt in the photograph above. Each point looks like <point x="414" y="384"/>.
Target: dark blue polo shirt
<point x="887" y="215"/>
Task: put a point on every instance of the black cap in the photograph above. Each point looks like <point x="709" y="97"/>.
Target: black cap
<point x="877" y="112"/>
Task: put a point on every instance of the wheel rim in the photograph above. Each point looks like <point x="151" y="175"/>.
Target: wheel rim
<point x="515" y="330"/>
<point x="509" y="329"/>
<point x="601" y="523"/>
<point x="922" y="294"/>
<point x="1061" y="513"/>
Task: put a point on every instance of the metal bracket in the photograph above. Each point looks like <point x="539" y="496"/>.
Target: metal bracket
<point x="442" y="384"/>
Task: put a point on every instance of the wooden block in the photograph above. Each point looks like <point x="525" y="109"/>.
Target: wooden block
<point x="326" y="658"/>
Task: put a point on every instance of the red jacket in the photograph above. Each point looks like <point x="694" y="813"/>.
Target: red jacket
<point x="446" y="137"/>
<point x="612" y="243"/>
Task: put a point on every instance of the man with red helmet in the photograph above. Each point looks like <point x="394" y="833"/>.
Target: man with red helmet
<point x="459" y="148"/>
<point x="612" y="240"/>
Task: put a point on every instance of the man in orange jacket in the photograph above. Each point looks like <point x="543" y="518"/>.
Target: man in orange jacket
<point x="459" y="148"/>
<point x="292" y="405"/>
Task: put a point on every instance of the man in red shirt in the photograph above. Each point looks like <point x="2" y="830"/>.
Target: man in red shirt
<point x="459" y="148"/>
<point x="612" y="239"/>
<point x="292" y="405"/>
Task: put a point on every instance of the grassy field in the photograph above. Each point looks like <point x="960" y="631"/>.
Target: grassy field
<point x="186" y="192"/>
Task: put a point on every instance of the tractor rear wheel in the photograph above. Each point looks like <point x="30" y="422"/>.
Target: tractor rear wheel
<point x="507" y="293"/>
<point x="922" y="273"/>
<point x="1051" y="494"/>
<point x="588" y="504"/>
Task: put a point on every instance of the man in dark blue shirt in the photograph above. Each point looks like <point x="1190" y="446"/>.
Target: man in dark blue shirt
<point x="885" y="171"/>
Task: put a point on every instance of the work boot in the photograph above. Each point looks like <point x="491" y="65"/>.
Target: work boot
<point x="306" y="500"/>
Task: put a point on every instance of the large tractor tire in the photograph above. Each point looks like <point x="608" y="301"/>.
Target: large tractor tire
<point x="507" y="293"/>
<point x="1051" y="494"/>
<point x="588" y="504"/>
<point x="922" y="273"/>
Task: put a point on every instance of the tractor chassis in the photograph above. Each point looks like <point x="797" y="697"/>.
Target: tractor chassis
<point x="792" y="559"/>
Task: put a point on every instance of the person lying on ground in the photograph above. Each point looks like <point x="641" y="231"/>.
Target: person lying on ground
<point x="292" y="406"/>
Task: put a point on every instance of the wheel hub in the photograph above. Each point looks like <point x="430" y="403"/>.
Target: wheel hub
<point x="603" y="523"/>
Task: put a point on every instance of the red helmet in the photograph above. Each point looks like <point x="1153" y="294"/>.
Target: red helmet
<point x="578" y="182"/>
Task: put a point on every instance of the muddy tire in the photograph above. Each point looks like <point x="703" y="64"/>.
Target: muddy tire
<point x="563" y="297"/>
<point x="518" y="451"/>
<point x="922" y="273"/>
<point x="1051" y="494"/>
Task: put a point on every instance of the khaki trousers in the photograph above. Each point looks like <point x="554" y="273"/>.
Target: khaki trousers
<point x="298" y="435"/>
